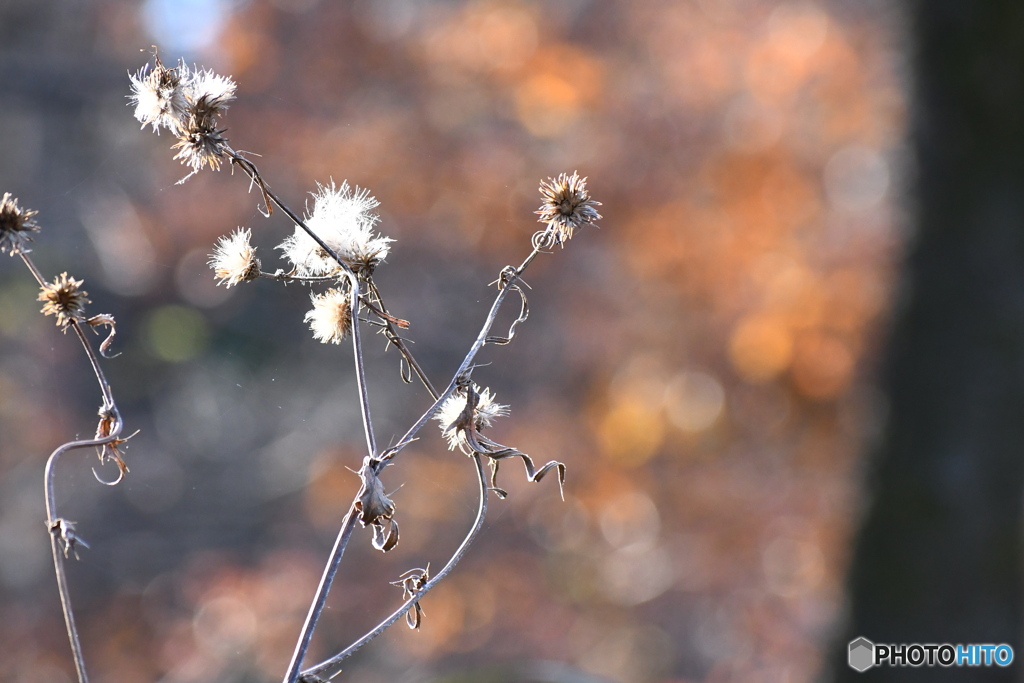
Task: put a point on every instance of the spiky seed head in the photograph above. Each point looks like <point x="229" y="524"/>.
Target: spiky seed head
<point x="234" y="259"/>
<point x="567" y="205"/>
<point x="64" y="299"/>
<point x="16" y="225"/>
<point x="452" y="417"/>
<point x="210" y="92"/>
<point x="200" y="143"/>
<point x="343" y="218"/>
<point x="159" y="96"/>
<point x="331" y="316"/>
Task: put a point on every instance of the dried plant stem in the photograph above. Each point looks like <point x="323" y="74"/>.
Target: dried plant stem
<point x="254" y="175"/>
<point x="65" y="601"/>
<point x="61" y="530"/>
<point x="399" y="343"/>
<point x="405" y="606"/>
<point x="32" y="268"/>
<point x="509" y="277"/>
<point x="56" y="525"/>
<point x="507" y="283"/>
<point x="315" y="609"/>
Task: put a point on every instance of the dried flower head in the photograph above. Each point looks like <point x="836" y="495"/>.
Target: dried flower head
<point x="567" y="205"/>
<point x="234" y="259"/>
<point x="64" y="299"/>
<point x="331" y="316"/>
<point x="159" y="96"/>
<point x="456" y="415"/>
<point x="16" y="224"/>
<point x="208" y="91"/>
<point x="200" y="143"/>
<point x="343" y="219"/>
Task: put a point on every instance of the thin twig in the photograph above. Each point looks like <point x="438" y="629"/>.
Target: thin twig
<point x="405" y="606"/>
<point x="62" y="530"/>
<point x="59" y="530"/>
<point x="250" y="170"/>
<point x="508" y="279"/>
<point x="330" y="570"/>
<point x="315" y="609"/>
<point x="290" y="277"/>
<point x="396" y="339"/>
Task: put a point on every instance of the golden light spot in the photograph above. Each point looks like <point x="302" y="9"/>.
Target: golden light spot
<point x="547" y="104"/>
<point x="559" y="81"/>
<point x="329" y="482"/>
<point x="694" y="400"/>
<point x="631" y="431"/>
<point x="761" y="347"/>
<point x="507" y="37"/>
<point x="822" y="366"/>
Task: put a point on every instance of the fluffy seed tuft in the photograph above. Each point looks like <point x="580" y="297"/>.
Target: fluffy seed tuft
<point x="234" y="259"/>
<point x="331" y="316"/>
<point x="159" y="96"/>
<point x="454" y="421"/>
<point x="342" y="217"/>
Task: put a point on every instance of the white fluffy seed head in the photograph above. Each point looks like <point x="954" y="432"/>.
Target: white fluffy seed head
<point x="234" y="259"/>
<point x="450" y="415"/>
<point x="204" y="88"/>
<point x="331" y="316"/>
<point x="342" y="217"/>
<point x="159" y="96"/>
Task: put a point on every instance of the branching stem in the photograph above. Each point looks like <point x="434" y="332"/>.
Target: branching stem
<point x="507" y="282"/>
<point x="405" y="606"/>
<point x="61" y="530"/>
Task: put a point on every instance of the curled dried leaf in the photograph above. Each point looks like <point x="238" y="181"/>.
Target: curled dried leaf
<point x="376" y="509"/>
<point x="411" y="583"/>
<point x="105" y="320"/>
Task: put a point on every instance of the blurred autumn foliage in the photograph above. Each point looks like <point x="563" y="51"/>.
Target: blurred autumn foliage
<point x="701" y="362"/>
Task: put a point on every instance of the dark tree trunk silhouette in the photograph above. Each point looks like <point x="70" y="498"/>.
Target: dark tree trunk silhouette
<point x="938" y="559"/>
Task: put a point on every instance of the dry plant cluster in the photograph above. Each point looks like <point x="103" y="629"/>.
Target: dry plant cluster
<point x="335" y="250"/>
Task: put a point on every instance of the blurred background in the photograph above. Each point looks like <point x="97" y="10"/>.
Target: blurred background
<point x="705" y="362"/>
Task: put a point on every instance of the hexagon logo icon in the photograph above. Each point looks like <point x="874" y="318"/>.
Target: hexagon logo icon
<point x="862" y="654"/>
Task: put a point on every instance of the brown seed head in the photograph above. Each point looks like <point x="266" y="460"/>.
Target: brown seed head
<point x="64" y="299"/>
<point x="567" y="205"/>
<point x="200" y="143"/>
<point x="16" y="224"/>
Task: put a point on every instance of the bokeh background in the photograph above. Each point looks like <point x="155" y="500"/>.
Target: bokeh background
<point x="704" y="363"/>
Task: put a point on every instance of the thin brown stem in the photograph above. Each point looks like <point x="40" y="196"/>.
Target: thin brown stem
<point x="60" y="530"/>
<point x="289" y="277"/>
<point x="399" y="343"/>
<point x="253" y="173"/>
<point x="508" y="278"/>
<point x="405" y="606"/>
<point x="32" y="268"/>
<point x="315" y="609"/>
